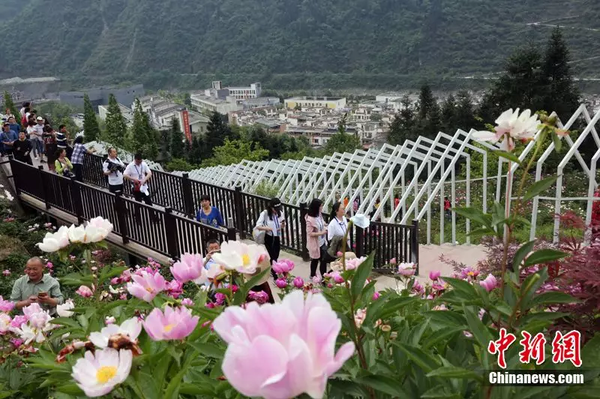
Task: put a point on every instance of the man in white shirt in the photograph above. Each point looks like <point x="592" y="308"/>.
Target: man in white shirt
<point x="113" y="168"/>
<point x="38" y="136"/>
<point x="139" y="173"/>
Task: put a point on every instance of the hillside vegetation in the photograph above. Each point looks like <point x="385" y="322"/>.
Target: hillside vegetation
<point x="364" y="42"/>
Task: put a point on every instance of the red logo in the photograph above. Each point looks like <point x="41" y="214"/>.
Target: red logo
<point x="567" y="347"/>
<point x="532" y="348"/>
<point x="501" y="346"/>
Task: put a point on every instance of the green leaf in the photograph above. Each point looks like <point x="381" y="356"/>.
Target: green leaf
<point x="455" y="372"/>
<point x="552" y="297"/>
<point x="70" y="389"/>
<point x="387" y="385"/>
<point x="207" y="349"/>
<point x="480" y="331"/>
<point x="193" y="389"/>
<point x="396" y="304"/>
<point x="462" y="286"/>
<point x="557" y="143"/>
<point x="507" y="155"/>
<point x="421" y="358"/>
<point x="590" y="353"/>
<point x="242" y="293"/>
<point x="441" y="391"/>
<point x="474" y="214"/>
<point x="544" y="256"/>
<point x="447" y="318"/>
<point x="360" y="276"/>
<point x="172" y="391"/>
<point x="522" y="253"/>
<point x="539" y="187"/>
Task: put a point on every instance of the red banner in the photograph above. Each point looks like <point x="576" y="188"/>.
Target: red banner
<point x="185" y="117"/>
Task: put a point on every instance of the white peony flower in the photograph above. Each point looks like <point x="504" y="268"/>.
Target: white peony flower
<point x="510" y="126"/>
<point x="361" y="221"/>
<point x="97" y="374"/>
<point x="54" y="241"/>
<point x="99" y="228"/>
<point x="129" y="329"/>
<point x="8" y="195"/>
<point x="77" y="234"/>
<point x="238" y="256"/>
<point x="64" y="309"/>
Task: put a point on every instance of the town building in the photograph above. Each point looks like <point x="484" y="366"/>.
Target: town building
<point x="336" y="103"/>
<point x="99" y="96"/>
<point x="125" y="111"/>
<point x="209" y="104"/>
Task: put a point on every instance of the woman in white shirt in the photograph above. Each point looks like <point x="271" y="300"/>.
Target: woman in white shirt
<point x="316" y="231"/>
<point x="338" y="224"/>
<point x="272" y="222"/>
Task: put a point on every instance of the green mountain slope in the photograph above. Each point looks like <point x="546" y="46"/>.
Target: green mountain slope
<point x="103" y="38"/>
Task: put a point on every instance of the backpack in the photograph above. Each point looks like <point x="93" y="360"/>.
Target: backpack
<point x="259" y="235"/>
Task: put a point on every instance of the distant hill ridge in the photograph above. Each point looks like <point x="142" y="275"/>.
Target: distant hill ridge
<point x="104" y="38"/>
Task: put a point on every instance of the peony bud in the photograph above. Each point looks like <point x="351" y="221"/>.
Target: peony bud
<point x="281" y="283"/>
<point x="298" y="282"/>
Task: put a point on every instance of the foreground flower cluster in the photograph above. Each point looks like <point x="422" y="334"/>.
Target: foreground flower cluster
<point x="94" y="231"/>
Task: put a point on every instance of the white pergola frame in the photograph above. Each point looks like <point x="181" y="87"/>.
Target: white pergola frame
<point x="380" y="175"/>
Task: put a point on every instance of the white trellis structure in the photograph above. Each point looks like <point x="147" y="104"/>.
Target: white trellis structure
<point x="399" y="183"/>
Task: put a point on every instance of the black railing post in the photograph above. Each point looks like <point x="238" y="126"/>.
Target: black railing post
<point x="43" y="186"/>
<point x="238" y="206"/>
<point x="15" y="174"/>
<point x="414" y="244"/>
<point x="76" y="197"/>
<point x="303" y="213"/>
<point x="231" y="234"/>
<point x="171" y="230"/>
<point x="360" y="242"/>
<point x="188" y="198"/>
<point x="121" y="216"/>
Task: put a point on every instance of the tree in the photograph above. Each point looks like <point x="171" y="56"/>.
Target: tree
<point x="426" y="102"/>
<point x="197" y="151"/>
<point x="403" y="125"/>
<point x="342" y="141"/>
<point x="59" y="114"/>
<point x="177" y="145"/>
<point x="141" y="134"/>
<point x="562" y="95"/>
<point x="465" y="113"/>
<point x="521" y="86"/>
<point x="235" y="151"/>
<point x="116" y="128"/>
<point x="216" y="133"/>
<point x="10" y="107"/>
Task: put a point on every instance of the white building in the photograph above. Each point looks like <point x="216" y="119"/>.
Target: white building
<point x="210" y="104"/>
<point x="316" y="102"/>
<point x="244" y="93"/>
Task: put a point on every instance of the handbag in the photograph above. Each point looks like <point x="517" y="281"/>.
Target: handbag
<point x="259" y="235"/>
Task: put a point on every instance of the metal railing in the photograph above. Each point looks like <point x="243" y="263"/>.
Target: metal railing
<point x="159" y="230"/>
<point x="241" y="210"/>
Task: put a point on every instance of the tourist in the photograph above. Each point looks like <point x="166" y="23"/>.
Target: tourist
<point x="61" y="137"/>
<point x="14" y="126"/>
<point x="36" y="287"/>
<point x="316" y="241"/>
<point x="50" y="146"/>
<point x="7" y="139"/>
<point x="139" y="173"/>
<point x="213" y="246"/>
<point x="22" y="149"/>
<point x="113" y="168"/>
<point x="37" y="137"/>
<point x="272" y="222"/>
<point x="78" y="157"/>
<point x="62" y="164"/>
<point x="208" y="214"/>
<point x="447" y="207"/>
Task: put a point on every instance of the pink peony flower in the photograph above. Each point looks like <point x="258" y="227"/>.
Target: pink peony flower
<point x="146" y="286"/>
<point x="174" y="289"/>
<point x="16" y="342"/>
<point x="393" y="261"/>
<point x="123" y="297"/>
<point x="260" y="297"/>
<point x="283" y="266"/>
<point x="337" y="277"/>
<point x="376" y="295"/>
<point x="469" y="273"/>
<point x="190" y="268"/>
<point x="6" y="306"/>
<point x="434" y="274"/>
<point x="296" y="348"/>
<point x="115" y="281"/>
<point x="50" y="265"/>
<point x="220" y="298"/>
<point x="418" y="288"/>
<point x="6" y="272"/>
<point x="339" y="254"/>
<point x="110" y="320"/>
<point x="84" y="291"/>
<point x="18" y="321"/>
<point x="173" y="324"/>
<point x="406" y="269"/>
<point x="317" y="280"/>
<point x="298" y="282"/>
<point x="489" y="283"/>
<point x="352" y="264"/>
<point x="187" y="302"/>
<point x="126" y="276"/>
<point x="281" y="283"/>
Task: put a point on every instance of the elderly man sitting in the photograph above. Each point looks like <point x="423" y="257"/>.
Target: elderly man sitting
<point x="36" y="287"/>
